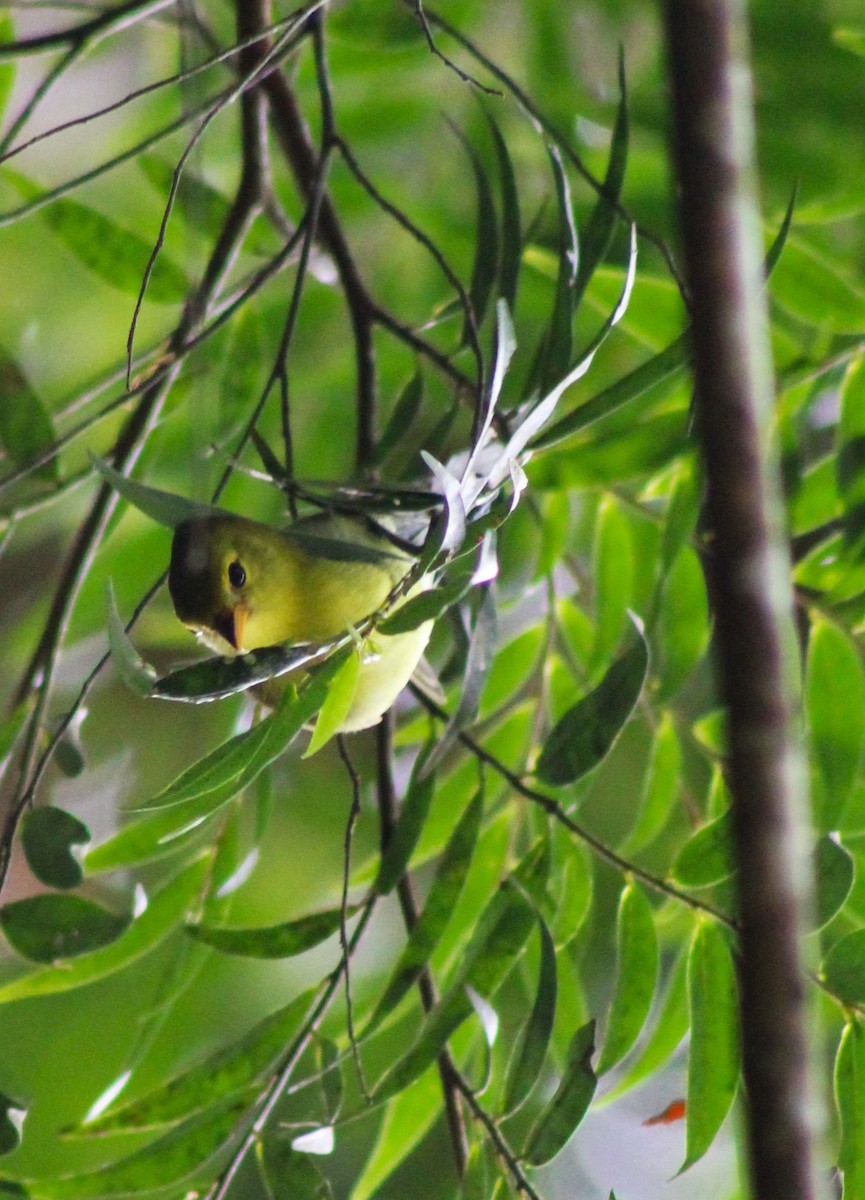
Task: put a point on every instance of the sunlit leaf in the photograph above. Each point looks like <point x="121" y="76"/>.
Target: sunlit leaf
<point x="660" y="787"/>
<point x="707" y="856"/>
<point x="636" y="974"/>
<point x="713" y="1058"/>
<point x="850" y="1099"/>
<point x="408" y="1117"/>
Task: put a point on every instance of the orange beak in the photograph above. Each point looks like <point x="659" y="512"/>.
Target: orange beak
<point x="231" y="625"/>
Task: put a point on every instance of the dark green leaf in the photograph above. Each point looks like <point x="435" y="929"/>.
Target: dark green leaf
<point x="707" y="856"/>
<point x="843" y="968"/>
<point x="25" y="426"/>
<point x="402" y="418"/>
<point x="586" y="733"/>
<point x="165" y="909"/>
<point x="51" y="927"/>
<point x="713" y="1059"/>
<point x="563" y="1113"/>
<point x="527" y="1059"/>
<point x="511" y="239"/>
<point x="408" y="828"/>
<point x="274" y="941"/>
<point x="636" y="975"/>
<point x="486" y="261"/>
<point x="48" y="835"/>
<point x="850" y="1098"/>
<point x="598" y="233"/>
<point x="426" y="606"/>
<point x="12" y="1114"/>
<point x="165" y="508"/>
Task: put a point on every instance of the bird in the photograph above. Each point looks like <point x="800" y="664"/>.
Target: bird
<point x="240" y="584"/>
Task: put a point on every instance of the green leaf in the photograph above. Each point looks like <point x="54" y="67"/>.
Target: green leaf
<point x="835" y="705"/>
<point x="274" y="941"/>
<point x="403" y="417"/>
<point x="636" y="976"/>
<point x="713" y="1058"/>
<point x="511" y="239"/>
<point x="289" y="1172"/>
<point x="426" y="606"/>
<point x="12" y="1114"/>
<point x="587" y="732"/>
<point x="711" y="731"/>
<point x="441" y="900"/>
<point x="669" y="1029"/>
<point x="613" y="573"/>
<point x="683" y="626"/>
<point x="833" y="871"/>
<point x="408" y="1117"/>
<point x="486" y="242"/>
<point x="215" y="1078"/>
<point x="165" y="909"/>
<point x="48" y="835"/>
<point x="26" y="430"/>
<point x="661" y="786"/>
<point x="843" y="968"/>
<point x="169" y="1161"/>
<point x="558" y="347"/>
<point x="496" y="946"/>
<point x="850" y="1099"/>
<point x="563" y="1113"/>
<point x="117" y="256"/>
<point x="598" y="233"/>
<point x="231" y="767"/>
<point x="165" y="508"/>
<point x="50" y="927"/>
<point x="337" y="704"/>
<point x="138" y="676"/>
<point x="665" y="367"/>
<point x="525" y="1063"/>
<point x="409" y="826"/>
<point x="10" y="727"/>
<point x="8" y="70"/>
<point x="816" y="288"/>
<point x="707" y="856"/>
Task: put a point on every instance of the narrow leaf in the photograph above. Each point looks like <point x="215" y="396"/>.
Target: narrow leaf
<point x="117" y="256"/>
<point x="586" y="733"/>
<point x="26" y="431"/>
<point x="165" y="508"/>
<point x="138" y="675"/>
<point x="835" y="704"/>
<point x="486" y="242"/>
<point x="636" y="976"/>
<point x="559" y="1119"/>
<point x="850" y="1099"/>
<point x="511" y="239"/>
<point x="337" y="704"/>
<point x="834" y="871"/>
<point x="527" y="1059"/>
<point x="402" y="418"/>
<point x="273" y="941"/>
<point x="661" y="786"/>
<point x="439" y="907"/>
<point x="407" y="1119"/>
<point x="214" y="1079"/>
<point x="669" y="1029"/>
<point x="713" y="1059"/>
<point x="558" y="349"/>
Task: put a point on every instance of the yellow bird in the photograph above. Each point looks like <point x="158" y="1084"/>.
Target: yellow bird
<point x="239" y="585"/>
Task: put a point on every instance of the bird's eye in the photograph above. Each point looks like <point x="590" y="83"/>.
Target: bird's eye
<point x="236" y="574"/>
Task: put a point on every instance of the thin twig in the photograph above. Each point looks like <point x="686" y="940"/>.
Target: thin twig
<point x="353" y="814"/>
